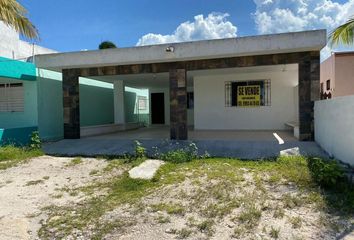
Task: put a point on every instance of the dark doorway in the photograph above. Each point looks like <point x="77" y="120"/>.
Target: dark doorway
<point x="157" y="108"/>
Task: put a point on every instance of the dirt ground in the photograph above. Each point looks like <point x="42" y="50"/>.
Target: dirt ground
<point x="198" y="200"/>
<point x="27" y="188"/>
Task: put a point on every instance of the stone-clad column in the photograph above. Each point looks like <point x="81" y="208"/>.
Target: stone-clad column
<point x="309" y="88"/>
<point x="71" y="103"/>
<point x="119" y="109"/>
<point x="178" y="104"/>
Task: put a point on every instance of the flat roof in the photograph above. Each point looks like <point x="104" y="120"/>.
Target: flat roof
<point x="186" y="51"/>
<point x="18" y="70"/>
<point x="344" y="53"/>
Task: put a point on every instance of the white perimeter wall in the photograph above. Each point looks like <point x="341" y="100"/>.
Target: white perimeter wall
<point x="334" y="131"/>
<point x="209" y="102"/>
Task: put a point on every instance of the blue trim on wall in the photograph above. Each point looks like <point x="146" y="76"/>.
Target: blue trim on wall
<point x="14" y="69"/>
<point x="16" y="136"/>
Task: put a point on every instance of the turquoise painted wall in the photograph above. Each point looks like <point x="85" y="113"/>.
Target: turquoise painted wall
<point x="16" y="127"/>
<point x="50" y="105"/>
<point x="16" y="136"/>
<point x="96" y="104"/>
<point x="44" y="106"/>
<point x="10" y="68"/>
<point x="27" y="118"/>
<point x="130" y="102"/>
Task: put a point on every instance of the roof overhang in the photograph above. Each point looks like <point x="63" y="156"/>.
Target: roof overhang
<point x="10" y="68"/>
<point x="187" y="51"/>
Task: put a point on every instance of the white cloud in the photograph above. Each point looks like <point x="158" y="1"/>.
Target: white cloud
<point x="274" y="16"/>
<point x="214" y="26"/>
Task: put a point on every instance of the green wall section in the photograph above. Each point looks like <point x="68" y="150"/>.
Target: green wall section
<point x="96" y="105"/>
<point x="50" y="105"/>
<point x="129" y="104"/>
<point x="10" y="68"/>
<point x="16" y="136"/>
<point x="44" y="104"/>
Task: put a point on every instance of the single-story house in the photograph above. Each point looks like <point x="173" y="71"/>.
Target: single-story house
<point x="251" y="83"/>
<point x="248" y="83"/>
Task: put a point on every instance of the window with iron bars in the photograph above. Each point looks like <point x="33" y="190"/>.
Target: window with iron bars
<point x="231" y="94"/>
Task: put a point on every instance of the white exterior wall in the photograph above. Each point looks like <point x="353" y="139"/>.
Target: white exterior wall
<point x="209" y="103"/>
<point x="8" y="41"/>
<point x="334" y="130"/>
<point x="12" y="47"/>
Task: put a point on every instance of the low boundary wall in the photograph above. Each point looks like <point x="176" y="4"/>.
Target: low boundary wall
<point x="334" y="127"/>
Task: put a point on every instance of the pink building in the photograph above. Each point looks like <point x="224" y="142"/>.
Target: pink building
<point x="337" y="75"/>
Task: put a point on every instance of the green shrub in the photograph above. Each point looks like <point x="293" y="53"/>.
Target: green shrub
<point x="185" y="154"/>
<point x="35" y="141"/>
<point x="326" y="173"/>
<point x="140" y="151"/>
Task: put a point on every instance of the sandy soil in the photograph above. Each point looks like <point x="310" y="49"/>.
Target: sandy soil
<point x="27" y="188"/>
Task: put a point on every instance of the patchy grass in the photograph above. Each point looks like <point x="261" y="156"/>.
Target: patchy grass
<point x="296" y="222"/>
<point x="94" y="172"/>
<point x="206" y="227"/>
<point x="183" y="233"/>
<point x="163" y="219"/>
<point x="11" y="156"/>
<point x="278" y="212"/>
<point x="290" y="201"/>
<point x="34" y="182"/>
<point x="176" y="209"/>
<point x="217" y="190"/>
<point x="274" y="232"/>
<point x="250" y="216"/>
<point x="74" y="162"/>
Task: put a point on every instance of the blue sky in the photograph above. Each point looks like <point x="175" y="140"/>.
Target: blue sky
<point x="71" y="25"/>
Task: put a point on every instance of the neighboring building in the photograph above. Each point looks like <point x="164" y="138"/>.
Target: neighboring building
<point x="247" y="83"/>
<point x="11" y="46"/>
<point x="32" y="99"/>
<point x="337" y="75"/>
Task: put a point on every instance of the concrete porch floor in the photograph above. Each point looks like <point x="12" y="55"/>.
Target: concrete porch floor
<point x="163" y="132"/>
<point x="217" y="143"/>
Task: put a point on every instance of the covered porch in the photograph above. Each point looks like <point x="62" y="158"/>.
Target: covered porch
<point x="283" y="68"/>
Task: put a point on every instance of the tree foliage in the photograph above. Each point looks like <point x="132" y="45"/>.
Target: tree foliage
<point x="106" y="45"/>
<point x="343" y="34"/>
<point x="14" y="14"/>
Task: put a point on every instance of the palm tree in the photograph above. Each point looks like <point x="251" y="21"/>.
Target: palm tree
<point x="14" y="14"/>
<point x="343" y="34"/>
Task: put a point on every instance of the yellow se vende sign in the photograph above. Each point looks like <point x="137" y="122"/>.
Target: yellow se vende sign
<point x="249" y="96"/>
